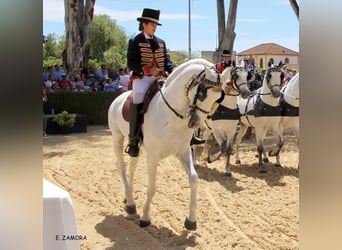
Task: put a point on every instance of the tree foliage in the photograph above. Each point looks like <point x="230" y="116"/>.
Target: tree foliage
<point x="52" y="50"/>
<point x="108" y="42"/>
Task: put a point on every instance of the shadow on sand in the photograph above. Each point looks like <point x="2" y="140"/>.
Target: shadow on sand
<point x="125" y="233"/>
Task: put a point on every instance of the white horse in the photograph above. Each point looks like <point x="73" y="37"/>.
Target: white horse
<point x="289" y="111"/>
<point x="261" y="111"/>
<point x="224" y="121"/>
<point x="174" y="112"/>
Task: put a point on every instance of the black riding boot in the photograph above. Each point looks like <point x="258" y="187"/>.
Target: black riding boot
<point x="134" y="124"/>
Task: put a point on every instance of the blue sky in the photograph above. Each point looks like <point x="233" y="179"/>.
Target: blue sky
<point x="257" y="21"/>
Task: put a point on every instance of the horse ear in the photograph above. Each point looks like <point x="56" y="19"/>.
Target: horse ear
<point x="234" y="63"/>
<point x="206" y="71"/>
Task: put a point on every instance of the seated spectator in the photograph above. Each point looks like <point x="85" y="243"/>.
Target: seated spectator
<point x="117" y="84"/>
<point x="48" y="72"/>
<point x="57" y="74"/>
<point x="54" y="88"/>
<point x="78" y="88"/>
<point x="62" y="84"/>
<point x="102" y="73"/>
<point x="95" y="87"/>
<point x="90" y="80"/>
<point x="108" y="87"/>
<point x="112" y="73"/>
<point x="48" y="83"/>
<point x="77" y="81"/>
<point x="124" y="78"/>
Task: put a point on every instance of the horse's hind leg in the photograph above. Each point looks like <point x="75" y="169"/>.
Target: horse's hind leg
<point x="186" y="160"/>
<point x="130" y="206"/>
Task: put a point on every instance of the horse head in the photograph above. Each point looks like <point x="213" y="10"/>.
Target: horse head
<point x="202" y="92"/>
<point x="273" y="77"/>
<point x="234" y="81"/>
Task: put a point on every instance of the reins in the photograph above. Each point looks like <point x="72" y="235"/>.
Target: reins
<point x="169" y="106"/>
<point x="198" y="80"/>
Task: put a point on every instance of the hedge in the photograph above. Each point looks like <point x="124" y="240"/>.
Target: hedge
<point x="93" y="104"/>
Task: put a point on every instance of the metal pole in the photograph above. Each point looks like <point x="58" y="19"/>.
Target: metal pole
<point x="189" y="56"/>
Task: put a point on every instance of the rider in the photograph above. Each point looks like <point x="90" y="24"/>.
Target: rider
<point x="147" y="57"/>
<point x="220" y="66"/>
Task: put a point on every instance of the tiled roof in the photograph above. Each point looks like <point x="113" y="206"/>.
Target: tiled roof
<point x="269" y="49"/>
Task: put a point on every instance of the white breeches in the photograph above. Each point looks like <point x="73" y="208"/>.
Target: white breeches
<point x="140" y="86"/>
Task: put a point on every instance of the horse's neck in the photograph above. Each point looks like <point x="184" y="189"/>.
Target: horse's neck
<point x="174" y="94"/>
<point x="230" y="101"/>
<point x="291" y="93"/>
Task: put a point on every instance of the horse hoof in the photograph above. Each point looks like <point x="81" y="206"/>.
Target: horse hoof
<point x="208" y="160"/>
<point x="190" y="225"/>
<point x="145" y="223"/>
<point x="278" y="165"/>
<point x="238" y="162"/>
<point x="265" y="160"/>
<point x="263" y="171"/>
<point x="229" y="174"/>
<point x="131" y="209"/>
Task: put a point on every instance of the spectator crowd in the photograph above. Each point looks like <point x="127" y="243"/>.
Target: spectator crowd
<point x="56" y="79"/>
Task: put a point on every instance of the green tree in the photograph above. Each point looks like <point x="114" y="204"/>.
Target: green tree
<point x="108" y="42"/>
<point x="178" y="57"/>
<point x="52" y="50"/>
<point x="50" y="45"/>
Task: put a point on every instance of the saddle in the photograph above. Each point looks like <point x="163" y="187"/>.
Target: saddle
<point x="150" y="93"/>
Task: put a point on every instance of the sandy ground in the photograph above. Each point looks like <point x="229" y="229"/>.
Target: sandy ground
<point x="246" y="211"/>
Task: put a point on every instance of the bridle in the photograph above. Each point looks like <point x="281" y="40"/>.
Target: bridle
<point x="233" y="82"/>
<point x="203" y="84"/>
<point x="268" y="76"/>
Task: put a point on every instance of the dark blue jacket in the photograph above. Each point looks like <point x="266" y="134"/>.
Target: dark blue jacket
<point x="143" y="54"/>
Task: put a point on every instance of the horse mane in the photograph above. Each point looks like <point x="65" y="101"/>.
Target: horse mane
<point x="179" y="69"/>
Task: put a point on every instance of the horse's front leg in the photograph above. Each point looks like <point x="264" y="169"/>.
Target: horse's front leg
<point x="229" y="153"/>
<point x="130" y="206"/>
<point x="260" y="135"/>
<point x="186" y="161"/>
<point x="238" y="139"/>
<point x="152" y="164"/>
<point x="278" y="132"/>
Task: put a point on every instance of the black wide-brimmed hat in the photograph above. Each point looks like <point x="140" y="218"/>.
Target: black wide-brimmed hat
<point x="225" y="52"/>
<point x="150" y="15"/>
